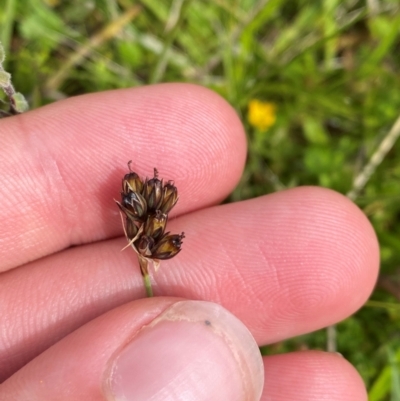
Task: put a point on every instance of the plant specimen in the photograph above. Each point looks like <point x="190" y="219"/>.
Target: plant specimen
<point x="16" y="101"/>
<point x="145" y="206"/>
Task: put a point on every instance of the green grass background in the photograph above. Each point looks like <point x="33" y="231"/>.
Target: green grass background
<point x="331" y="67"/>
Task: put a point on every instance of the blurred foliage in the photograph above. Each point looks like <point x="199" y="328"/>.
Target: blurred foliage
<point x="331" y="69"/>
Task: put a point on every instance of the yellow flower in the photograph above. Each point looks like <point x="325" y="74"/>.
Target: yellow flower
<point x="261" y="115"/>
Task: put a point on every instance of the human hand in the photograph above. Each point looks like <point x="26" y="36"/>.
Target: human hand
<point x="283" y="264"/>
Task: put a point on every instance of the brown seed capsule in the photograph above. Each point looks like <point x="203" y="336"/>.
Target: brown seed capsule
<point x="153" y="192"/>
<point x="168" y="246"/>
<point x="170" y="197"/>
<point x="155" y="225"/>
<point x="134" y="205"/>
<point x="144" y="245"/>
<point x="131" y="181"/>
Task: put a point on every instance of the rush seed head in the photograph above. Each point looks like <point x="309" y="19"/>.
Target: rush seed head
<point x="132" y="183"/>
<point x="153" y="192"/>
<point x="155" y="225"/>
<point x="146" y="205"/>
<point x="168" y="246"/>
<point x="135" y="204"/>
<point x="144" y="245"/>
<point x="170" y="197"/>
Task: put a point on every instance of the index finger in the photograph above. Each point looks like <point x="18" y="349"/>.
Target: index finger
<point x="63" y="164"/>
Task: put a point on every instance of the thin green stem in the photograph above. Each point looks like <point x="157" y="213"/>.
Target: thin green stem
<point x="144" y="269"/>
<point x="147" y="285"/>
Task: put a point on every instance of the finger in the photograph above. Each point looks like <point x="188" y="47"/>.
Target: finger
<point x="285" y="264"/>
<point x="157" y="349"/>
<point x="311" y="376"/>
<point x="63" y="164"/>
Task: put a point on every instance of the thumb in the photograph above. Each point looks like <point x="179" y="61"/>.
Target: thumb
<point x="152" y="349"/>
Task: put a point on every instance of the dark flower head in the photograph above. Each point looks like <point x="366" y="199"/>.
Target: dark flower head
<point x="133" y="205"/>
<point x="144" y="245"/>
<point x="145" y="206"/>
<point x="153" y="192"/>
<point x="168" y="246"/>
<point x="170" y="197"/>
<point x="155" y="225"/>
<point x="131" y="181"/>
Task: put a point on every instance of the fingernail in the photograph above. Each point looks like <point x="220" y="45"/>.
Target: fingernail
<point x="195" y="350"/>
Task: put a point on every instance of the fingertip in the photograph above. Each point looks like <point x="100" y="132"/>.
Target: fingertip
<point x="312" y="376"/>
<point x="337" y="239"/>
<point x="191" y="342"/>
<point x="352" y="237"/>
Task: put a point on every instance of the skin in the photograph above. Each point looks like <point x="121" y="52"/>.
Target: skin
<point x="284" y="264"/>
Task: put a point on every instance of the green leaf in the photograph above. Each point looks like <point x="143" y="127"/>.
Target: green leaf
<point x="314" y="131"/>
<point x="388" y="381"/>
